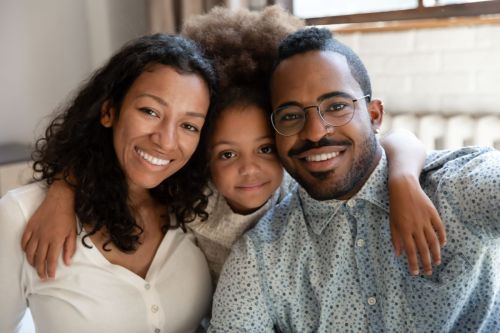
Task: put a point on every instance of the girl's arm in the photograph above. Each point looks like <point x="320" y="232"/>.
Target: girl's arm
<point x="415" y="223"/>
<point x="51" y="230"/>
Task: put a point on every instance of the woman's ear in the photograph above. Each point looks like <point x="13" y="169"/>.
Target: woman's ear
<point x="107" y="115"/>
<point x="376" y="112"/>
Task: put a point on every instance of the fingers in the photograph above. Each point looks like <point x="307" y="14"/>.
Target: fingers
<point x="69" y="249"/>
<point x="396" y="241"/>
<point x="423" y="250"/>
<point x="40" y="261"/>
<point x="411" y="253"/>
<point x="30" y="248"/>
<point x="438" y="226"/>
<point x="434" y="246"/>
<point x="52" y="254"/>
<point x="26" y="238"/>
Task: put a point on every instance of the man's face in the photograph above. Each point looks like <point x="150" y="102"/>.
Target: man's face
<point x="329" y="163"/>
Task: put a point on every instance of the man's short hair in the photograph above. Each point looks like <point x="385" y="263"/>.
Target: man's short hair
<point x="321" y="39"/>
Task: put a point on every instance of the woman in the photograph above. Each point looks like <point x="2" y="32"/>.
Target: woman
<point x="126" y="140"/>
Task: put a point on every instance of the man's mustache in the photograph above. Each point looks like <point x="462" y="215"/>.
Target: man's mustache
<point x="323" y="142"/>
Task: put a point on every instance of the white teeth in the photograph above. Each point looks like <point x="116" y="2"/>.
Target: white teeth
<point x="321" y="157"/>
<point x="151" y="159"/>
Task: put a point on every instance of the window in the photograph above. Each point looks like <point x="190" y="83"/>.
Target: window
<point x="321" y="12"/>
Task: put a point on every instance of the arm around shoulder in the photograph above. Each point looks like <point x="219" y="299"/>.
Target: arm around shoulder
<point x="239" y="303"/>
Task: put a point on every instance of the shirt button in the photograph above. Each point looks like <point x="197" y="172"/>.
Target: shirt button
<point x="351" y="203"/>
<point x="157" y="330"/>
<point x="360" y="243"/>
<point x="372" y="300"/>
<point x="147" y="286"/>
<point x="154" y="308"/>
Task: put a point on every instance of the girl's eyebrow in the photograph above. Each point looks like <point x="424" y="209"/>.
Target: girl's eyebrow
<point x="229" y="142"/>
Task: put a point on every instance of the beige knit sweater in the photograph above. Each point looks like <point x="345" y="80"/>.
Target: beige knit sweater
<point x="223" y="228"/>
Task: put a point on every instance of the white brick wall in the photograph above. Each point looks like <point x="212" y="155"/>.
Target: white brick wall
<point x="436" y="70"/>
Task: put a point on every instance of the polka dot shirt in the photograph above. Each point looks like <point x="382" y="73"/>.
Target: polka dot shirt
<point x="329" y="266"/>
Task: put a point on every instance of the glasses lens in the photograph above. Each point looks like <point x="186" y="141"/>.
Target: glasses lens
<point x="288" y="120"/>
<point x="337" y="110"/>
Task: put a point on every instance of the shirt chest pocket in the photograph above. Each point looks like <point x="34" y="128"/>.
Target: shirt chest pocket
<point x="435" y="299"/>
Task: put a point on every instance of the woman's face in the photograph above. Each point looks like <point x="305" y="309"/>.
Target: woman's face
<point x="159" y="125"/>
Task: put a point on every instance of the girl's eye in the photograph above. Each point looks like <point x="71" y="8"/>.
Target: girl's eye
<point x="149" y="112"/>
<point x="226" y="155"/>
<point x="190" y="127"/>
<point x="267" y="149"/>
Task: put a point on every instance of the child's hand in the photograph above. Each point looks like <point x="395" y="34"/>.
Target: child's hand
<point x="415" y="224"/>
<point x="51" y="230"/>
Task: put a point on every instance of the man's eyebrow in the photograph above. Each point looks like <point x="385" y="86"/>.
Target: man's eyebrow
<point x="334" y="94"/>
<point x="319" y="99"/>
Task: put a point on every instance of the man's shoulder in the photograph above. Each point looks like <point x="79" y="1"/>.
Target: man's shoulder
<point x="274" y="223"/>
<point x="452" y="165"/>
<point x="456" y="159"/>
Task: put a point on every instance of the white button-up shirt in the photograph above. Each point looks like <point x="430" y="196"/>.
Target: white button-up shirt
<point x="93" y="295"/>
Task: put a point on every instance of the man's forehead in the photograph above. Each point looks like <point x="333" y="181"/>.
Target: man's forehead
<point x="314" y="58"/>
<point x="314" y="71"/>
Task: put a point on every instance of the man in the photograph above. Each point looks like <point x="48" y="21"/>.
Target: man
<point x="322" y="260"/>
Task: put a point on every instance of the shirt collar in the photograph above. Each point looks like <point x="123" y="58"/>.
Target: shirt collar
<point x="319" y="214"/>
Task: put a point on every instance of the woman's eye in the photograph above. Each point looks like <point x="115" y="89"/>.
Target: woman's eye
<point x="150" y="112"/>
<point x="225" y="155"/>
<point x="267" y="149"/>
<point x="191" y="127"/>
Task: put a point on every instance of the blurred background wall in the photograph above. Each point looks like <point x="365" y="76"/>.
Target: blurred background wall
<point x="48" y="47"/>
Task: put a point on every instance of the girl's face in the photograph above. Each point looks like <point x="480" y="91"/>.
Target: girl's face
<point x="243" y="163"/>
<point x="159" y="125"/>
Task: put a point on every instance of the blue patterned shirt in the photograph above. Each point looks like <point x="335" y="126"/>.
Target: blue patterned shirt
<point x="329" y="266"/>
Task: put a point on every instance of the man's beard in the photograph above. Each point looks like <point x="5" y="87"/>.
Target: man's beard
<point x="353" y="180"/>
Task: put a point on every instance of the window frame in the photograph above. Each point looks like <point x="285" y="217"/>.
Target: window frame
<point x="419" y="13"/>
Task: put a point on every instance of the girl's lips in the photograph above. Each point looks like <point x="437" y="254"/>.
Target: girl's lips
<point x="251" y="187"/>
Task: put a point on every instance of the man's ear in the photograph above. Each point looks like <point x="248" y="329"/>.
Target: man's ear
<point x="376" y="112"/>
<point x="107" y="115"/>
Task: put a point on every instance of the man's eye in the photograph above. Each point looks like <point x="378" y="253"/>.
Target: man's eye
<point x="291" y="116"/>
<point x="335" y="107"/>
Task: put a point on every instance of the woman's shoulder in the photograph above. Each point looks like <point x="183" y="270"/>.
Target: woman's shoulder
<point x="16" y="207"/>
<point x="23" y="200"/>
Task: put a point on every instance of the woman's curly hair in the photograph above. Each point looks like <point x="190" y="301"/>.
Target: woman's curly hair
<point x="78" y="149"/>
<point x="243" y="46"/>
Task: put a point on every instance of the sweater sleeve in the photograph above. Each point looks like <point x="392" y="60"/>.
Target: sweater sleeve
<point x="13" y="304"/>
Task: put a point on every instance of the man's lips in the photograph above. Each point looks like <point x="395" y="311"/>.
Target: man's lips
<point x="321" y="157"/>
<point x="325" y="145"/>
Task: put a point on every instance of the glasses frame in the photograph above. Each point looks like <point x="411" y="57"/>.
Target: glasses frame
<point x="305" y="109"/>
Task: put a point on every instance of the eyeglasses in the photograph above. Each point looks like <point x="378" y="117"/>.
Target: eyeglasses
<point x="335" y="111"/>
